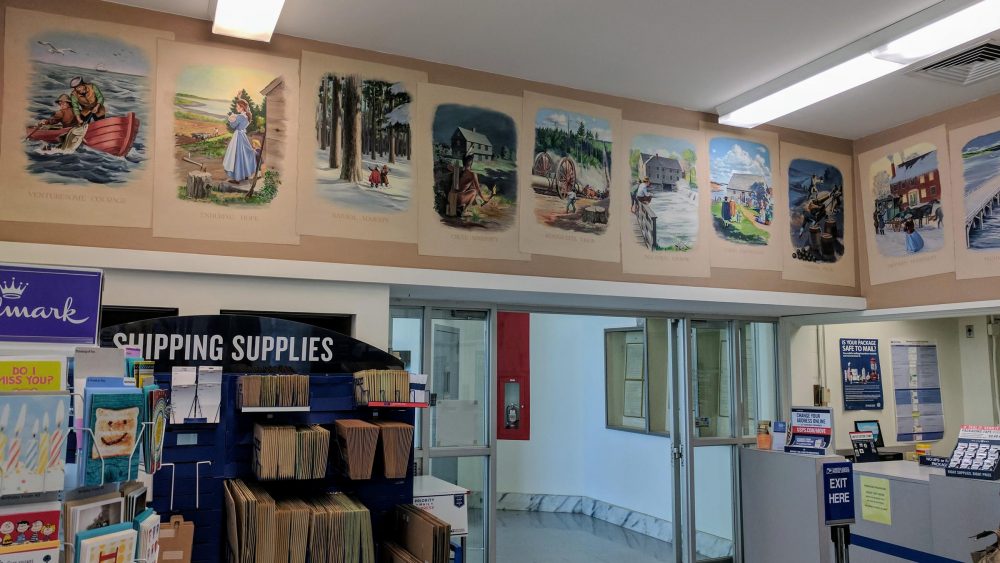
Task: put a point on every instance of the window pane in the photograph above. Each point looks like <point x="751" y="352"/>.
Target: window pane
<point x="459" y="376"/>
<point x="710" y="379"/>
<point x="760" y="383"/>
<point x="660" y="335"/>
<point x="625" y="377"/>
<point x="713" y="499"/>
<point x="406" y="340"/>
<point x="470" y="473"/>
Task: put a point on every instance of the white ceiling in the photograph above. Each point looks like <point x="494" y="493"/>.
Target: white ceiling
<point x="684" y="53"/>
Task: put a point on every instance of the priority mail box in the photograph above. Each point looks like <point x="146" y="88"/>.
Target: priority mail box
<point x="445" y="500"/>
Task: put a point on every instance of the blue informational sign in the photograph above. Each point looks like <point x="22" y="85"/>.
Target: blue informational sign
<point x="50" y="305"/>
<point x="838" y="493"/>
<point x="861" y="373"/>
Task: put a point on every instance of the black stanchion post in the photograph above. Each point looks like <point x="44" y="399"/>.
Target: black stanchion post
<point x="841" y="536"/>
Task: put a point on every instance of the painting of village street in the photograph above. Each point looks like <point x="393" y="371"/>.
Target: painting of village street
<point x="742" y="190"/>
<point x="571" y="171"/>
<point x="981" y="175"/>
<point x="475" y="171"/>
<point x="229" y="135"/>
<point x="87" y="107"/>
<point x="664" y="193"/>
<point x="363" y="143"/>
<point x="816" y="208"/>
<point x="908" y="217"/>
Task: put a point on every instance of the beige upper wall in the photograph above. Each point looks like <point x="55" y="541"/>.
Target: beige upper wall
<point x="405" y="255"/>
<point x="931" y="290"/>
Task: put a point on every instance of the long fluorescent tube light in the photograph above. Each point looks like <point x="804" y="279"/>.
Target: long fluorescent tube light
<point x="953" y="30"/>
<point x="247" y="19"/>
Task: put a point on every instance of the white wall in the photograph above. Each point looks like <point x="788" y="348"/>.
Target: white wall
<point x="977" y="388"/>
<point x="570" y="451"/>
<point x="818" y="360"/>
<point x="206" y="294"/>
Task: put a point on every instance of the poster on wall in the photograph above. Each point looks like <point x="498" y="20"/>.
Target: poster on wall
<point x="77" y="137"/>
<point x="975" y="169"/>
<point x="861" y="374"/>
<point x="821" y="220"/>
<point x="905" y="189"/>
<point x="664" y="210"/>
<point x="467" y="178"/>
<point x="565" y="173"/>
<point x="225" y="167"/>
<point x="917" y="386"/>
<point x="748" y="208"/>
<point x="357" y="174"/>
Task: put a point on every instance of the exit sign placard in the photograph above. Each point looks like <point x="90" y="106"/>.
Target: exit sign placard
<point x="838" y="493"/>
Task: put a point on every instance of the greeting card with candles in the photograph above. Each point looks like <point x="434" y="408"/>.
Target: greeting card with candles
<point x="33" y="430"/>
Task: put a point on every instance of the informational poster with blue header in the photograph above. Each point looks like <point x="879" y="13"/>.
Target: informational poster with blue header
<point x="917" y="384"/>
<point x="861" y="373"/>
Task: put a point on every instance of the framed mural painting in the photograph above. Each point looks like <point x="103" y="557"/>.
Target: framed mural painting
<point x="906" y="199"/>
<point x="357" y="172"/>
<point x="662" y="196"/>
<point x="821" y="216"/>
<point x="226" y="146"/>
<point x="565" y="170"/>
<point x="748" y="203"/>
<point x="467" y="174"/>
<point x="975" y="169"/>
<point x="78" y="128"/>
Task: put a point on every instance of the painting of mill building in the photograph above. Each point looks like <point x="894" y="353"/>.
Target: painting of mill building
<point x="981" y="177"/>
<point x="816" y="210"/>
<point x="664" y="193"/>
<point x="475" y="173"/>
<point x="742" y="191"/>
<point x="908" y="215"/>
<point x="364" y="146"/>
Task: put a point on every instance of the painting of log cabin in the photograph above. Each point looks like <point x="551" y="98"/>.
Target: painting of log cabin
<point x="229" y="135"/>
<point x="816" y="206"/>
<point x="571" y="171"/>
<point x="475" y="170"/>
<point x="364" y="147"/>
<point x="742" y="190"/>
<point x="908" y="216"/>
<point x="981" y="175"/>
<point x="664" y="193"/>
<point x="88" y="102"/>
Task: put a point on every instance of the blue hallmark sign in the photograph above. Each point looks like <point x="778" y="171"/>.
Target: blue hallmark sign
<point x="50" y="305"/>
<point x="838" y="493"/>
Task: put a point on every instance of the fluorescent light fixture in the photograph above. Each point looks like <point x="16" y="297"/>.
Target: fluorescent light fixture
<point x="961" y="27"/>
<point x="247" y="19"/>
<point x="816" y="88"/>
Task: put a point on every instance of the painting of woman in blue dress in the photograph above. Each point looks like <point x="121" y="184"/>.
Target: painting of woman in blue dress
<point x="240" y="160"/>
<point x="914" y="242"/>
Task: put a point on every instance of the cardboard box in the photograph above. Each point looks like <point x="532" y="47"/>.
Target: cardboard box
<point x="442" y="499"/>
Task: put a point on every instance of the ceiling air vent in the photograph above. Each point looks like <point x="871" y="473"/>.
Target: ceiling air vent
<point x="972" y="65"/>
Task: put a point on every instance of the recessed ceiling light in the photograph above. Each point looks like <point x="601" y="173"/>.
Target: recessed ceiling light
<point x="940" y="35"/>
<point x="247" y="19"/>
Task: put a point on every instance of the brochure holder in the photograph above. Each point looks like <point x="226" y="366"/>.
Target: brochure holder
<point x="810" y="431"/>
<point x="977" y="453"/>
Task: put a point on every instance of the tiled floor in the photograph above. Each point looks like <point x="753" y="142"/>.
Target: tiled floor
<point x="552" y="537"/>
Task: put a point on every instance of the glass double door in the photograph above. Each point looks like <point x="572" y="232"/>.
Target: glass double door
<point x="725" y="385"/>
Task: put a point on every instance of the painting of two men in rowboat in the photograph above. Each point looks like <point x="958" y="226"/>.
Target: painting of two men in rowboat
<point x="89" y="98"/>
<point x="475" y="170"/>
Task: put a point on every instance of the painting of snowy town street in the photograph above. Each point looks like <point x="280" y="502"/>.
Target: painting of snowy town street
<point x="816" y="206"/>
<point x="362" y="158"/>
<point x="908" y="217"/>
<point x="742" y="190"/>
<point x="663" y="193"/>
<point x="571" y="171"/>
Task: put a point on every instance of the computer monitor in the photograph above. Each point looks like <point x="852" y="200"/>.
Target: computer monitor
<point x="873" y="427"/>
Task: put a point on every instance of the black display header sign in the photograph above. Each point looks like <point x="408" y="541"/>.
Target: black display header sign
<point x="246" y="344"/>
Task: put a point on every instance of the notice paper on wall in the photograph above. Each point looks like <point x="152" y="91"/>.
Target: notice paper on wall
<point x="861" y="373"/>
<point x="917" y="385"/>
<point x="876" y="502"/>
